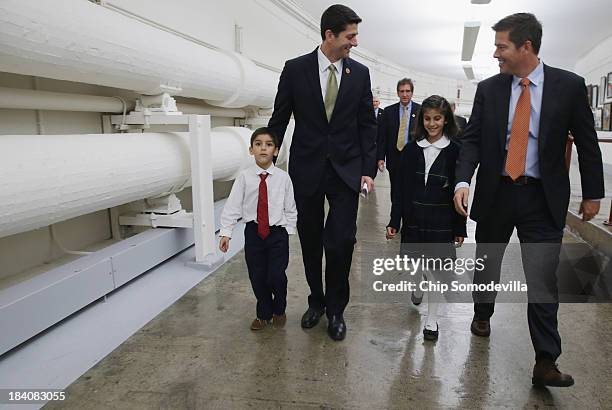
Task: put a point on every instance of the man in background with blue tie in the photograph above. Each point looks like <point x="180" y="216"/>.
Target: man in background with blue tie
<point x="332" y="156"/>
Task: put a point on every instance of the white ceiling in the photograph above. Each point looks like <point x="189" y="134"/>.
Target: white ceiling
<point x="427" y="35"/>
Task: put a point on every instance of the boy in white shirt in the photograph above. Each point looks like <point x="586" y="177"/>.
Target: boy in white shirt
<point x="262" y="195"/>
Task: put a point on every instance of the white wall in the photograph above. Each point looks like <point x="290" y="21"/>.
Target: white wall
<point x="272" y="32"/>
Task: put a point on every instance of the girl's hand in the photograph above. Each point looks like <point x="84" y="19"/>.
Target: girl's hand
<point x="459" y="241"/>
<point x="390" y="232"/>
<point x="224" y="244"/>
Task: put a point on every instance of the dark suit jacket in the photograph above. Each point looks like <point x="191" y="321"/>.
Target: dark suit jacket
<point x="348" y="140"/>
<point x="564" y="109"/>
<point x="461" y="123"/>
<point x="380" y="115"/>
<point x="387" y="134"/>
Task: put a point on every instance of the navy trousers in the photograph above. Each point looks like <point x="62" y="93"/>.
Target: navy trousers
<point x="523" y="207"/>
<point x="267" y="262"/>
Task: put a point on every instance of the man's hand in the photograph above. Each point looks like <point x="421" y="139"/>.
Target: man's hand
<point x="224" y="244"/>
<point x="369" y="181"/>
<point x="391" y="232"/>
<point x="461" y="201"/>
<point x="459" y="241"/>
<point x="588" y="209"/>
<point x="381" y="165"/>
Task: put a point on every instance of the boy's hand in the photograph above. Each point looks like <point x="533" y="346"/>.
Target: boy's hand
<point x="459" y="241"/>
<point x="391" y="232"/>
<point x="224" y="244"/>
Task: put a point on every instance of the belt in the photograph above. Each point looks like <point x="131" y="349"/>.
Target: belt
<point x="522" y="180"/>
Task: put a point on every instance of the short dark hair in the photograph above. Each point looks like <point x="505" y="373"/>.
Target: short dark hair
<point x="264" y="131"/>
<point x="522" y="27"/>
<point x="441" y="104"/>
<point x="405" y="81"/>
<point x="336" y="18"/>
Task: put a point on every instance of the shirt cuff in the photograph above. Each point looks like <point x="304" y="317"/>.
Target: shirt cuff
<point x="593" y="199"/>
<point x="461" y="185"/>
<point x="225" y="232"/>
<point x="290" y="230"/>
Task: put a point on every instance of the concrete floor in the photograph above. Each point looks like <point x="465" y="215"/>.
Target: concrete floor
<point x="200" y="353"/>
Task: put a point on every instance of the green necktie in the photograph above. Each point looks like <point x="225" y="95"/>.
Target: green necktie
<point x="401" y="134"/>
<point x="332" y="91"/>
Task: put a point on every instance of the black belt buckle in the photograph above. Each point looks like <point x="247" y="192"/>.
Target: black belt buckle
<point x="522" y="180"/>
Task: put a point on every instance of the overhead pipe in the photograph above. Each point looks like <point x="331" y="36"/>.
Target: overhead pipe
<point x="50" y="178"/>
<point x="77" y="40"/>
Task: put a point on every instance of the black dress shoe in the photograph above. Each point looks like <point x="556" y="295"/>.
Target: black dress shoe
<point x="431" y="334"/>
<point x="336" y="328"/>
<point x="311" y="317"/>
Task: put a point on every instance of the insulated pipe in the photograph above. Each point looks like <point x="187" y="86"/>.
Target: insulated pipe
<point x="23" y="99"/>
<point x="80" y="41"/>
<point x="51" y="178"/>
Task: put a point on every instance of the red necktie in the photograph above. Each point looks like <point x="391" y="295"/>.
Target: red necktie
<point x="263" y="223"/>
<point x="519" y="134"/>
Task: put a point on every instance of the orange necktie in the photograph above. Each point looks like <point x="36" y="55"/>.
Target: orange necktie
<point x="519" y="134"/>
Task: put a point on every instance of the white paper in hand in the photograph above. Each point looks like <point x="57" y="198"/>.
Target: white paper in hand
<point x="364" y="190"/>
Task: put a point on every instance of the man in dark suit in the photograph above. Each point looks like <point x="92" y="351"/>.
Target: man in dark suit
<point x="459" y="120"/>
<point x="396" y="129"/>
<point x="332" y="155"/>
<point x="517" y="134"/>
<point x="378" y="112"/>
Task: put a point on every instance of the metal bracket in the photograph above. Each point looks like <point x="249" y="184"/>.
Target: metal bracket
<point x="167" y="212"/>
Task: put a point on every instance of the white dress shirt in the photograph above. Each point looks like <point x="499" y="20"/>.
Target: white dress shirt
<point x="324" y="72"/>
<point x="242" y="200"/>
<point x="431" y="151"/>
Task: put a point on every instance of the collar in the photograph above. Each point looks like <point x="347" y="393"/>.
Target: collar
<point x="441" y="143"/>
<point x="536" y="77"/>
<point x="270" y="170"/>
<point x="324" y="62"/>
<point x="409" y="106"/>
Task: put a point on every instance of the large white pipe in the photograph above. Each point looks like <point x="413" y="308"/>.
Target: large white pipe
<point x="22" y="99"/>
<point x="77" y="40"/>
<point x="46" y="179"/>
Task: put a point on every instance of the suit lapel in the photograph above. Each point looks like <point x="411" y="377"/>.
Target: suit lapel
<point x="396" y="121"/>
<point x="312" y="73"/>
<point x="548" y="105"/>
<point x="345" y="84"/>
<point x="503" y="107"/>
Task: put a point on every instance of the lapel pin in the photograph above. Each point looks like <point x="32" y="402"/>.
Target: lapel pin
<point x="347" y="70"/>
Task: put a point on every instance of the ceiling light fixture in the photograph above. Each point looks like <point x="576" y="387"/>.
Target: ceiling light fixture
<point x="469" y="72"/>
<point x="481" y="1"/>
<point x="470" y="34"/>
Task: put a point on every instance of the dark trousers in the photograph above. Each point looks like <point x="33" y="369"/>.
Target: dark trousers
<point x="335" y="235"/>
<point x="523" y="207"/>
<point x="393" y="173"/>
<point x="267" y="261"/>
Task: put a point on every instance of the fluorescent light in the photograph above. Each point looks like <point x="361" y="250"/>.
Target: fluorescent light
<point x="481" y="1"/>
<point x="469" y="72"/>
<point x="470" y="34"/>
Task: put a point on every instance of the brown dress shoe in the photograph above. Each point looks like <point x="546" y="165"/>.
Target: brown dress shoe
<point x="279" y="320"/>
<point x="481" y="328"/>
<point x="259" y="324"/>
<point x="546" y="373"/>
